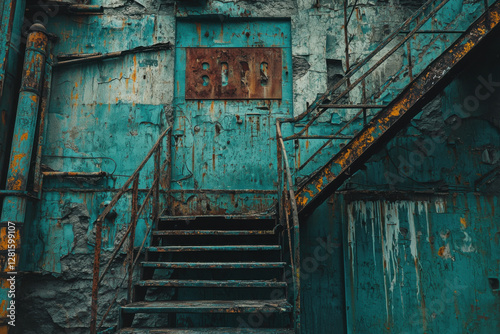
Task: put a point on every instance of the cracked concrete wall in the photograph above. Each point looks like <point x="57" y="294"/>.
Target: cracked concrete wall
<point x="106" y="115"/>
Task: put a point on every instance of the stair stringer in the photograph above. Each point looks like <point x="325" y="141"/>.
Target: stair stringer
<point x="390" y="120"/>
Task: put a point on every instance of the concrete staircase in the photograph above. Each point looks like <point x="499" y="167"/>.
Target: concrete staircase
<point x="224" y="276"/>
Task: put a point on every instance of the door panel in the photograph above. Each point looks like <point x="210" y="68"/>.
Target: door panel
<point x="232" y="80"/>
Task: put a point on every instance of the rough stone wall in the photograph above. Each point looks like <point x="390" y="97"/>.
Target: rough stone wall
<point x="57" y="299"/>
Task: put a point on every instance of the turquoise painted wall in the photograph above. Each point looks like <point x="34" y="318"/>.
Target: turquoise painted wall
<point x="420" y="224"/>
<point x="106" y="115"/>
<point x="422" y="265"/>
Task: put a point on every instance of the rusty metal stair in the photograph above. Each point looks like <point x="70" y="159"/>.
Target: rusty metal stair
<point x="202" y="258"/>
<point x="470" y="46"/>
<point x="214" y="284"/>
<point x="209" y="306"/>
<point x="207" y="331"/>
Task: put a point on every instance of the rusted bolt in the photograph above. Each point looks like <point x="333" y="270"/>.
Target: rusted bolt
<point x="239" y="121"/>
<point x="247" y="34"/>
<point x="197" y="128"/>
<point x="207" y="34"/>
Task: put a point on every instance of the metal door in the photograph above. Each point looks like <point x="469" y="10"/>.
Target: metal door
<point x="233" y="78"/>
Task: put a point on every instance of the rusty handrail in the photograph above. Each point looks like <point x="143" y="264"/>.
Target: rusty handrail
<point x="290" y="199"/>
<point x="287" y="201"/>
<point x="130" y="257"/>
<point x="316" y="104"/>
<point x="321" y="108"/>
<point x="359" y="65"/>
<point x="133" y="178"/>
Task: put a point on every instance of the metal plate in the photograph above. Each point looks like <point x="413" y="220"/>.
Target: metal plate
<point x="233" y="73"/>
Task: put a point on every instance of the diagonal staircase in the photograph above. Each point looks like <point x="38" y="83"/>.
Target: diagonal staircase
<point x="224" y="276"/>
<point x="470" y="46"/>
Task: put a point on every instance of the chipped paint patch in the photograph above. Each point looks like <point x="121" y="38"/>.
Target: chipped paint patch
<point x="463" y="222"/>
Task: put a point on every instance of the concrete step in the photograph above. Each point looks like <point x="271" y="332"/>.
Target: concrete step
<point x="213" y="232"/>
<point x="209" y="306"/>
<point x="210" y="248"/>
<point x="213" y="265"/>
<point x="212" y="283"/>
<point x="219" y="217"/>
<point x="220" y="330"/>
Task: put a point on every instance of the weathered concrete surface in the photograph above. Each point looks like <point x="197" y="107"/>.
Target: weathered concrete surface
<point x="60" y="295"/>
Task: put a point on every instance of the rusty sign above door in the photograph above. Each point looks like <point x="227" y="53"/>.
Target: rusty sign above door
<point x="233" y="73"/>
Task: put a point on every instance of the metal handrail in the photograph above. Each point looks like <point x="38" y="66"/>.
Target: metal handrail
<point x="132" y="261"/>
<point x="134" y="178"/>
<point x="287" y="200"/>
<point x="358" y="66"/>
<point x="323" y="107"/>
<point x="348" y="76"/>
<point x="288" y="208"/>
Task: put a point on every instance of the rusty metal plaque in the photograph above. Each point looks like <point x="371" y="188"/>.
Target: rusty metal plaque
<point x="233" y="73"/>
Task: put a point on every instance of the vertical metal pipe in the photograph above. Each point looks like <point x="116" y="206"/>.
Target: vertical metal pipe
<point x="44" y="105"/>
<point x="14" y="207"/>
<point x="27" y="115"/>
<point x="11" y="21"/>
<point x="7" y="21"/>
<point x="156" y="184"/>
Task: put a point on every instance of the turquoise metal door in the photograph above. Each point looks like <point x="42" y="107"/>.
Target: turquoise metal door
<point x="233" y="78"/>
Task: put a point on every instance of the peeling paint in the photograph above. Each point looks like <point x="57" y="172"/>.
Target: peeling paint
<point x="411" y="264"/>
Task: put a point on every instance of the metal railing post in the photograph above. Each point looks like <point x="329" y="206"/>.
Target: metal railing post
<point x="293" y="212"/>
<point x="96" y="279"/>
<point x="133" y="223"/>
